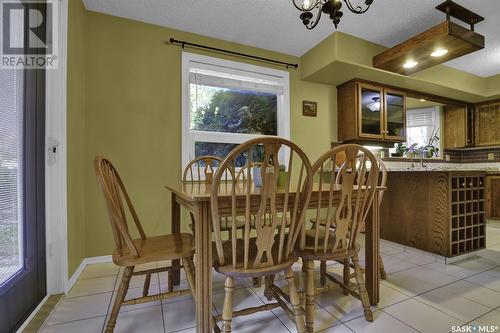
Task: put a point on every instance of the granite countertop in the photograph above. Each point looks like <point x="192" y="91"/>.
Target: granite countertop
<point x="443" y="167"/>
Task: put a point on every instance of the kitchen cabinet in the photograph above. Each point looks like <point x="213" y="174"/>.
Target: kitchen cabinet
<point x="487" y="125"/>
<point x="370" y="112"/>
<point x="493" y="197"/>
<point x="455" y="127"/>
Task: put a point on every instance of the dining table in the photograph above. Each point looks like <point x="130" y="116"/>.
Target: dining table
<point x="195" y="197"/>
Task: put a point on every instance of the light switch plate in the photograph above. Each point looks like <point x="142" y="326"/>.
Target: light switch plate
<point x="491" y="156"/>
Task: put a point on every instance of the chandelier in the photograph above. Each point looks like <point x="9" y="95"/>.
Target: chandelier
<point x="328" y="7"/>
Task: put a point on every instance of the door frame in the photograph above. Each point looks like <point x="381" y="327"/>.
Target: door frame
<point x="55" y="166"/>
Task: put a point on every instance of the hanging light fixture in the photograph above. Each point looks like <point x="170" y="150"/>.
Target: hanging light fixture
<point x="328" y="7"/>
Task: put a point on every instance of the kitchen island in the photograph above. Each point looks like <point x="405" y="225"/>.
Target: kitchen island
<point x="437" y="211"/>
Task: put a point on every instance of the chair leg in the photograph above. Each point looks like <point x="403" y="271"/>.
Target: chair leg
<point x="269" y="280"/>
<point x="147" y="282"/>
<point x="170" y="281"/>
<point x="295" y="300"/>
<point x="322" y="272"/>
<point x="310" y="291"/>
<point x="227" y="310"/>
<point x="189" y="269"/>
<point x="257" y="282"/>
<point x="120" y="297"/>
<point x="365" y="300"/>
<point x="383" y="274"/>
<point x="347" y="276"/>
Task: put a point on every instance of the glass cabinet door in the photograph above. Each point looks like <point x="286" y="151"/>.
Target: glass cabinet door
<point x="395" y="117"/>
<point x="370" y="111"/>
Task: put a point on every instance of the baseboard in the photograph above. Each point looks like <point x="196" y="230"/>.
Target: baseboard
<point x="32" y="315"/>
<point x="83" y="264"/>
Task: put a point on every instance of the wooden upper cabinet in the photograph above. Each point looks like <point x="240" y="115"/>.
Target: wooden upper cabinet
<point x="455" y="127"/>
<point x="368" y="112"/>
<point x="488" y="125"/>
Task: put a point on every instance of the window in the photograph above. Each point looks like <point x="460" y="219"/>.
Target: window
<point x="421" y="123"/>
<point x="225" y="103"/>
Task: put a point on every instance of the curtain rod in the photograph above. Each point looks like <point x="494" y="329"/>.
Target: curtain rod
<point x="184" y="43"/>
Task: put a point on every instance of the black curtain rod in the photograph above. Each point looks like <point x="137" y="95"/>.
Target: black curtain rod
<point x="184" y="43"/>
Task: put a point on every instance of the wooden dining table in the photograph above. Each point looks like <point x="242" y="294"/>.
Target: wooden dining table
<point x="195" y="197"/>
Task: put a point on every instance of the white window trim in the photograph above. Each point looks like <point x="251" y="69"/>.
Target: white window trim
<point x="188" y="142"/>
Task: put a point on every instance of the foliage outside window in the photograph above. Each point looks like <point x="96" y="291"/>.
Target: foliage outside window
<point x="227" y="103"/>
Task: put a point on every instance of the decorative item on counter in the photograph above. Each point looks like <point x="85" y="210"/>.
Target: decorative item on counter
<point x="309" y="109"/>
<point x="400" y="149"/>
<point x="411" y="150"/>
<point x="430" y="150"/>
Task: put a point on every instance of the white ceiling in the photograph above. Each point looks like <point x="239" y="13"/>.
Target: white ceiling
<point x="275" y="25"/>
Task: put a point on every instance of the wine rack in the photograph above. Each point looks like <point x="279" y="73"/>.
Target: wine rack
<point x="468" y="222"/>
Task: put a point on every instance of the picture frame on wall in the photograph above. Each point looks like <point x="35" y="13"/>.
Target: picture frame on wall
<point x="309" y="109"/>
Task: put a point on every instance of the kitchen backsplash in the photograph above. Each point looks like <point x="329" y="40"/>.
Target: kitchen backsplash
<point x="473" y="155"/>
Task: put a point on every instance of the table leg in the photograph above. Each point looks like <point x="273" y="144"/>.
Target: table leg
<point x="175" y="229"/>
<point x="371" y="251"/>
<point x="203" y="267"/>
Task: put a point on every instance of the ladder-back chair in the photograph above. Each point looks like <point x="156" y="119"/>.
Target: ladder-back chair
<point x="349" y="194"/>
<point x="130" y="252"/>
<point x="266" y="245"/>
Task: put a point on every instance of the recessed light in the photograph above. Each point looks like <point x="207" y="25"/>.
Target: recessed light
<point x="410" y="64"/>
<point x="439" y="53"/>
<point x="423" y="100"/>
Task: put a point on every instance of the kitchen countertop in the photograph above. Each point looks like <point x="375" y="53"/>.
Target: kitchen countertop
<point x="443" y="167"/>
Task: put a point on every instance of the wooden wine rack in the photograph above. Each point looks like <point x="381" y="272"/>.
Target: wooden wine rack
<point x="468" y="222"/>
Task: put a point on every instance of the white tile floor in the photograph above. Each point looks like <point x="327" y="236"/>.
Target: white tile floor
<point x="420" y="295"/>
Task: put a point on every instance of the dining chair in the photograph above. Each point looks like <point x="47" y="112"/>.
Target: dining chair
<point x="349" y="193"/>
<point x="382" y="183"/>
<point x="266" y="248"/>
<point x="201" y="170"/>
<point x="131" y="252"/>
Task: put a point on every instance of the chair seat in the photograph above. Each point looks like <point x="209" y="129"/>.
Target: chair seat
<point x="239" y="271"/>
<point x="308" y="251"/>
<point x="166" y="247"/>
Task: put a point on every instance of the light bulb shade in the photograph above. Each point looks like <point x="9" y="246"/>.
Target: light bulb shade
<point x="305" y="5"/>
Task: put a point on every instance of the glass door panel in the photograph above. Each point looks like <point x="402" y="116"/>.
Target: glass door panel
<point x="11" y="174"/>
<point x="395" y="115"/>
<point x="370" y="111"/>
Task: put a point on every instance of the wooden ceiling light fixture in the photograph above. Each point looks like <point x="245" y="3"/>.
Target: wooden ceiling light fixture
<point x="440" y="44"/>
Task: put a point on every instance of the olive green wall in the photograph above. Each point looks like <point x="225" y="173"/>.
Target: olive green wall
<point x="133" y="117"/>
<point x="76" y="100"/>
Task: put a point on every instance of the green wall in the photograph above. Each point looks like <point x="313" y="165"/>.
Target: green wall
<point x="76" y="164"/>
<point x="133" y="117"/>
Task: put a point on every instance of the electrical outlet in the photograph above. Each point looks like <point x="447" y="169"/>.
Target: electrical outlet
<point x="491" y="157"/>
<point x="447" y="157"/>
